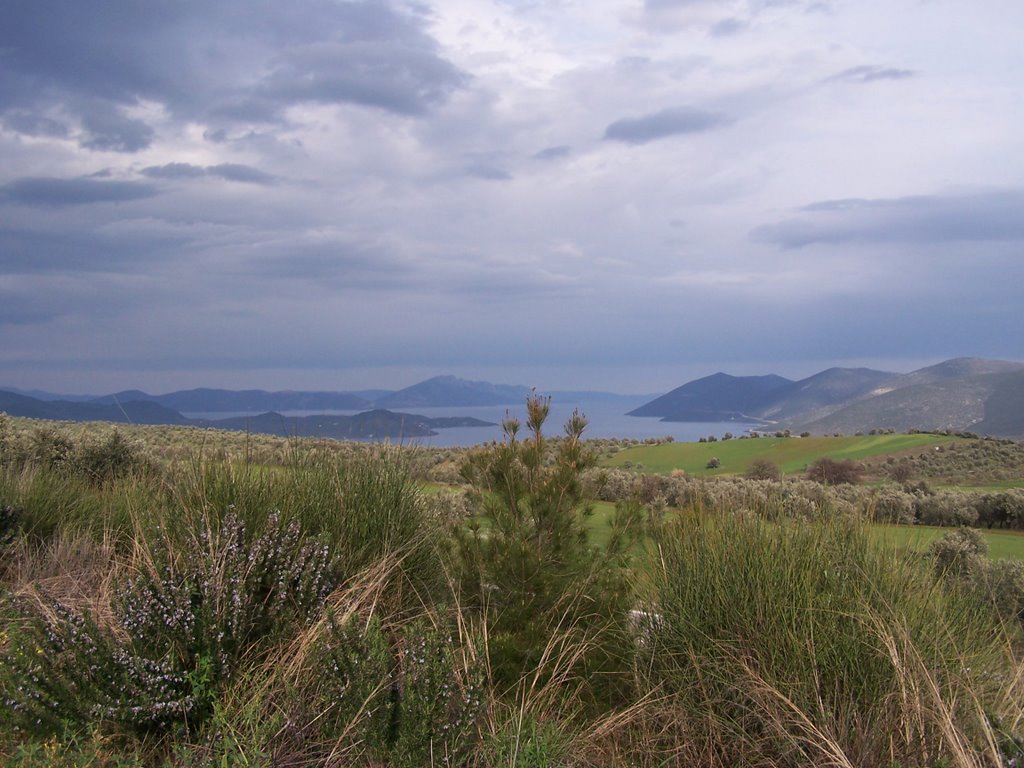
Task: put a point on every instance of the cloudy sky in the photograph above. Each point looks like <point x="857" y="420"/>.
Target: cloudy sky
<point x="603" y="194"/>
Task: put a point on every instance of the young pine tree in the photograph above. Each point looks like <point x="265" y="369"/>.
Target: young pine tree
<point x="527" y="562"/>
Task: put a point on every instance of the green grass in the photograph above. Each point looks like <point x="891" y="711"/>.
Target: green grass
<point x="1001" y="544"/>
<point x="791" y="454"/>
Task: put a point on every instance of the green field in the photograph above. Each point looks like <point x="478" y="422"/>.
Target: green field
<point x="791" y="454"/>
<point x="1001" y="544"/>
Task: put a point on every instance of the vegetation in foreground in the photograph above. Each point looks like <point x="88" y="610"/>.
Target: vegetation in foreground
<point x="319" y="609"/>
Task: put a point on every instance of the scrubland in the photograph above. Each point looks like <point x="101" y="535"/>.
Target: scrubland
<point x="185" y="598"/>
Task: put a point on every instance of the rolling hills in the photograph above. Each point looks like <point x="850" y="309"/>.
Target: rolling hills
<point x="965" y="394"/>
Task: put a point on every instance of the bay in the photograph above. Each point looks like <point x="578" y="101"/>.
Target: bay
<point x="606" y="418"/>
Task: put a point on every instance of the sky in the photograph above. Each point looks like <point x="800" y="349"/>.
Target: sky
<point x="617" y="195"/>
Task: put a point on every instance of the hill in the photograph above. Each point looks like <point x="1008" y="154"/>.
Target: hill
<point x="376" y="423"/>
<point x="719" y="397"/>
<point x="823" y="392"/>
<point x="990" y="404"/>
<point x="133" y="412"/>
<point x="450" y="391"/>
<point x="962" y="394"/>
<point x="256" y="400"/>
<point x="370" y="424"/>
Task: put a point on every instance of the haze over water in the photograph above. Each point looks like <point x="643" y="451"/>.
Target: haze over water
<point x="604" y="419"/>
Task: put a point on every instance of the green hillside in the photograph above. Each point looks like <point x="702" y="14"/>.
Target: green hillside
<point x="791" y="454"/>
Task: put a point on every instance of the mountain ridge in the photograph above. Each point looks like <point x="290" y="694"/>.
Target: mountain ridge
<point x="966" y="393"/>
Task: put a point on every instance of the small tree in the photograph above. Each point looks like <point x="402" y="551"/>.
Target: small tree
<point x="762" y="469"/>
<point x="834" y="472"/>
<point x="528" y="565"/>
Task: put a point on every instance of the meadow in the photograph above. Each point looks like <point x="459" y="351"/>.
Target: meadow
<point x="790" y="454"/>
<point x="177" y="598"/>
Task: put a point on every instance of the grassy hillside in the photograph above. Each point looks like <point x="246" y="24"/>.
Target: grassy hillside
<point x="791" y="454"/>
<point x="172" y="597"/>
<point x="1002" y="545"/>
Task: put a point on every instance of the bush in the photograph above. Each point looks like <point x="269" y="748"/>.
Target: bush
<point x="889" y="505"/>
<point x="762" y="469"/>
<point x="1002" y="583"/>
<point x="946" y="509"/>
<point x="178" y="632"/>
<point x="399" y="696"/>
<point x="958" y="554"/>
<point x="772" y="632"/>
<point x="111" y="458"/>
<point x="835" y="472"/>
<point x="532" y="570"/>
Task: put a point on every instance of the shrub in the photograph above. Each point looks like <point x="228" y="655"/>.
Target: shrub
<point x="834" y="472"/>
<point x="784" y="644"/>
<point x="111" y="458"/>
<point x="532" y="570"/>
<point x="1002" y="583"/>
<point x="179" y="629"/>
<point x="401" y="696"/>
<point x="946" y="508"/>
<point x="958" y="554"/>
<point x="762" y="469"/>
<point x="9" y="523"/>
<point x="889" y="505"/>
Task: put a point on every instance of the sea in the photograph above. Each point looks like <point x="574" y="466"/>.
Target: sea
<point x="605" y="418"/>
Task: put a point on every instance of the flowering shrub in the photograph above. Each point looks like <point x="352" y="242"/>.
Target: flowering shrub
<point x="400" y="696"/>
<point x="9" y="519"/>
<point x="178" y="631"/>
<point x="225" y="592"/>
<point x="63" y="669"/>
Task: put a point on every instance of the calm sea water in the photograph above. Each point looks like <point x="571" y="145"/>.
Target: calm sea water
<point x="605" y="419"/>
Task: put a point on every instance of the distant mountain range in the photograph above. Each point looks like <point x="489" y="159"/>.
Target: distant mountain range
<point x="971" y="394"/>
<point x="137" y="407"/>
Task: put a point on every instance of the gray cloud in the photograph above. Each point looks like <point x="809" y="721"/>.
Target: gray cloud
<point x="869" y="73"/>
<point x="980" y="217"/>
<point x="244" y="174"/>
<point x="26" y="251"/>
<point x="388" y="75"/>
<point x="241" y="173"/>
<point x="110" y="131"/>
<point x="663" y="124"/>
<point x="60" y="193"/>
<point x="728" y="27"/>
<point x="174" y="171"/>
<point x="553" y="153"/>
<point x="216" y="61"/>
<point x="488" y="172"/>
<point x="34" y="125"/>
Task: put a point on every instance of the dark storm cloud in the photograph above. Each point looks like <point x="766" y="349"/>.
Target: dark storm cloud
<point x="663" y="124"/>
<point x="34" y="125"/>
<point x="986" y="216"/>
<point x="200" y="60"/>
<point x="107" y="130"/>
<point x="384" y="74"/>
<point x="869" y="73"/>
<point x="59" y="193"/>
<point x="244" y="174"/>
